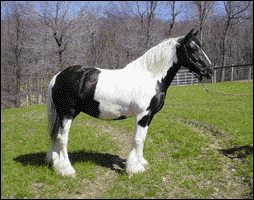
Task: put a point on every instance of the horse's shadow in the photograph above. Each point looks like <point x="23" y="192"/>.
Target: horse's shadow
<point x="102" y="159"/>
<point x="237" y="152"/>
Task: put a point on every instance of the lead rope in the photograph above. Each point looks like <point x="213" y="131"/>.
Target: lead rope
<point x="205" y="88"/>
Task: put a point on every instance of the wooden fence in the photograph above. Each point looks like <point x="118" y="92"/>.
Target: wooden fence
<point x="33" y="90"/>
<point x="233" y="73"/>
<point x="221" y="74"/>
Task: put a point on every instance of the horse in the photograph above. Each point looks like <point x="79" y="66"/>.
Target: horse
<point x="137" y="90"/>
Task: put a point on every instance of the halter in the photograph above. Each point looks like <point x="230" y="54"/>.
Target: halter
<point x="197" y="66"/>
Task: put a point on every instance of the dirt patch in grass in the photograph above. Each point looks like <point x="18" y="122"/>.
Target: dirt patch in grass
<point x="221" y="184"/>
<point x="41" y="190"/>
<point x="121" y="136"/>
<point x="207" y="129"/>
<point x="224" y="183"/>
<point x="94" y="188"/>
<point x="184" y="183"/>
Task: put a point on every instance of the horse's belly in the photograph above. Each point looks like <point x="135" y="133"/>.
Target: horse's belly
<point x="110" y="110"/>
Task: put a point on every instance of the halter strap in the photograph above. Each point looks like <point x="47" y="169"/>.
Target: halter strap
<point x="196" y="65"/>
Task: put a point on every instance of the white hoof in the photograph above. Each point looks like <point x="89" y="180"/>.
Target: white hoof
<point x="133" y="165"/>
<point x="134" y="169"/>
<point x="65" y="169"/>
<point x="143" y="162"/>
<point x="62" y="166"/>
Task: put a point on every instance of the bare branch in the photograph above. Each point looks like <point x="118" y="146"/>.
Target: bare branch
<point x="173" y="13"/>
<point x="203" y="9"/>
<point x="241" y="11"/>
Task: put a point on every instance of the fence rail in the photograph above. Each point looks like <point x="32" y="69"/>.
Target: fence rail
<point x="32" y="90"/>
<point x="184" y="77"/>
<point x="233" y="73"/>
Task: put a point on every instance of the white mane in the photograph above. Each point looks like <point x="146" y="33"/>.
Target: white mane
<point x="158" y="59"/>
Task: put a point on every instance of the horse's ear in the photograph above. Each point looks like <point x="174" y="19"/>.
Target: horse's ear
<point x="189" y="35"/>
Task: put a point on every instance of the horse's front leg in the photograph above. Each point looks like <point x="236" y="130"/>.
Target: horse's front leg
<point x="136" y="162"/>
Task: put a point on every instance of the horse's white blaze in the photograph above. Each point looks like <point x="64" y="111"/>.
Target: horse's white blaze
<point x="202" y="52"/>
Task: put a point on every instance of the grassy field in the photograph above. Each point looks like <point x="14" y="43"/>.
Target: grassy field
<point x="200" y="145"/>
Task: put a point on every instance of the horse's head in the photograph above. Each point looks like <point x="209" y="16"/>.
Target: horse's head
<point x="191" y="55"/>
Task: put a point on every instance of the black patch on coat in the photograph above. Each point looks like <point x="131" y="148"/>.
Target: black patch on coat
<point x="74" y="90"/>
<point x="158" y="99"/>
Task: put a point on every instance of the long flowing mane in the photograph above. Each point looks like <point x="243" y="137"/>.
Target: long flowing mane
<point x="158" y="59"/>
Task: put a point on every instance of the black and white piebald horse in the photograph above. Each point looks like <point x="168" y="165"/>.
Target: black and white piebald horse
<point x="137" y="90"/>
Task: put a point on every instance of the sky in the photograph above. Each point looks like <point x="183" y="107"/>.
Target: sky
<point x="162" y="11"/>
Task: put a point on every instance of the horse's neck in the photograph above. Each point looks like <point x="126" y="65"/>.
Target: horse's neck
<point x="160" y="62"/>
<point x="167" y="80"/>
<point x="136" y="67"/>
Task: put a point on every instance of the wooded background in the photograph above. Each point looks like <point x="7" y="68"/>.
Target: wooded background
<point x="35" y="46"/>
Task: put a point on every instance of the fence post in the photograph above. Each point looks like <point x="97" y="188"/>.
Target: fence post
<point x="185" y="78"/>
<point x="223" y="75"/>
<point x="250" y="73"/>
<point x="232" y="74"/>
<point x="215" y="75"/>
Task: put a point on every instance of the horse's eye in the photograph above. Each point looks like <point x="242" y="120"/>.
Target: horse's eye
<point x="191" y="49"/>
<point x="193" y="46"/>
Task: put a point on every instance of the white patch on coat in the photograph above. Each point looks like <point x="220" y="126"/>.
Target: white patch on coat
<point x="121" y="92"/>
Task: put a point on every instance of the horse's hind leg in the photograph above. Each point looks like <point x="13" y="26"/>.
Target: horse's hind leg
<point x="57" y="154"/>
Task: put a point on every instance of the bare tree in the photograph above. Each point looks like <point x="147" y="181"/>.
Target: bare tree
<point x="15" y="26"/>
<point x="65" y="29"/>
<point x="59" y="25"/>
<point x="234" y="10"/>
<point x="203" y="9"/>
<point x="173" y="13"/>
<point x="146" y="19"/>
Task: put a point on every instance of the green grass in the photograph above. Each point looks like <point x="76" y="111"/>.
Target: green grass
<point x="200" y="145"/>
